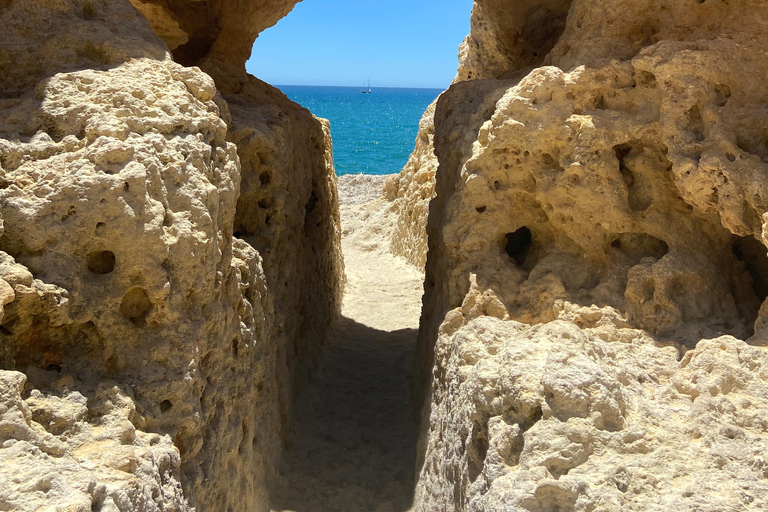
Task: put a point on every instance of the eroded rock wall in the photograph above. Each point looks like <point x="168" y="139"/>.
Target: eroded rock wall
<point x="409" y="193"/>
<point x="505" y="37"/>
<point x="597" y="259"/>
<point x="121" y="190"/>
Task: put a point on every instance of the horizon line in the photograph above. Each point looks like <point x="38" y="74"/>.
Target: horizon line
<point x="358" y="86"/>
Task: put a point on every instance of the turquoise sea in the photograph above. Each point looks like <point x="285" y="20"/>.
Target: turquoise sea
<point x="372" y="133"/>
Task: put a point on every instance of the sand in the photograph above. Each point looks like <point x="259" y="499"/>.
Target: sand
<point x="352" y="442"/>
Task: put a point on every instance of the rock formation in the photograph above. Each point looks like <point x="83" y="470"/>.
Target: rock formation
<point x="597" y="260"/>
<point x="170" y="256"/>
<point x="594" y="328"/>
<point x="410" y="193"/>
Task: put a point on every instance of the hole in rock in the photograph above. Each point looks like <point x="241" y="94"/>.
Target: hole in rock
<point x="722" y="93"/>
<point x="639" y="191"/>
<point x="136" y="306"/>
<point x="641" y="245"/>
<point x="644" y="78"/>
<point x="648" y="31"/>
<point x="312" y="203"/>
<point x="265" y="178"/>
<point x="100" y="262"/>
<point x="265" y="203"/>
<point x="481" y="209"/>
<point x="549" y="161"/>
<point x="165" y="406"/>
<point x="754" y="144"/>
<point x="518" y="245"/>
<point x="754" y="255"/>
<point x="190" y="53"/>
<point x="696" y="123"/>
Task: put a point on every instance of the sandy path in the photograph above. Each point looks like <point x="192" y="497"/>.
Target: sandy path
<point x="352" y="442"/>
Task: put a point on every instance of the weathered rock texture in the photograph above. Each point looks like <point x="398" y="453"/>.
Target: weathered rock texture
<point x="121" y="190"/>
<point x="596" y="255"/>
<point x="505" y="37"/>
<point x="220" y="32"/>
<point x="410" y="193"/>
<point x="65" y="450"/>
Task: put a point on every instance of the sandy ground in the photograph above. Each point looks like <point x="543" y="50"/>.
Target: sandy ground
<point x="352" y="442"/>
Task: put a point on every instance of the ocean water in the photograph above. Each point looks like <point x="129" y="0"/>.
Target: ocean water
<point x="372" y="133"/>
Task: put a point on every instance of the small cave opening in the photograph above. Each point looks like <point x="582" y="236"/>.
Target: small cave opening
<point x="197" y="47"/>
<point x="100" y="262"/>
<point x="541" y="29"/>
<point x="518" y="245"/>
<point x="165" y="406"/>
<point x="754" y="255"/>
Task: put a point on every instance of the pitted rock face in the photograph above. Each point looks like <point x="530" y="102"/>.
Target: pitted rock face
<point x="611" y="188"/>
<point x="119" y="181"/>
<point x="598" y="189"/>
<point x="410" y="192"/>
<point x="77" y="447"/>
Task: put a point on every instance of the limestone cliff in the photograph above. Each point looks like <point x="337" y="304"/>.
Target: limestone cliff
<point x="170" y="256"/>
<point x="596" y="259"/>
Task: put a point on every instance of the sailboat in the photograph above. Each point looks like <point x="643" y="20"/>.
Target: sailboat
<point x="369" y="90"/>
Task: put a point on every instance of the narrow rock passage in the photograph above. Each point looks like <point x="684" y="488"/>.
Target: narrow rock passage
<point x="352" y="442"/>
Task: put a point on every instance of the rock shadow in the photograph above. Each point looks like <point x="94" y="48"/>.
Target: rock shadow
<point x="352" y="440"/>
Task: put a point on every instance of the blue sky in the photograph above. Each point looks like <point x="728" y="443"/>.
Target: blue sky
<point x="394" y="43"/>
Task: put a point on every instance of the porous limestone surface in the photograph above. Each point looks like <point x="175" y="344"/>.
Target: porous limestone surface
<point x="62" y="451"/>
<point x="593" y="334"/>
<point x="120" y="192"/>
<point x="410" y="192"/>
<point x="505" y="37"/>
<point x="288" y="211"/>
<point x="556" y="417"/>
